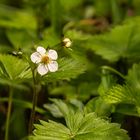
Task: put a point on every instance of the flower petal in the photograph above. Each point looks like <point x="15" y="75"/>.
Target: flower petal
<point x="53" y="66"/>
<point x="35" y="57"/>
<point x="52" y="54"/>
<point x="42" y="69"/>
<point x="41" y="50"/>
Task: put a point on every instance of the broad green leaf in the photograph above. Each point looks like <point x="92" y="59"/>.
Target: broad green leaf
<point x="121" y="42"/>
<point x="127" y="109"/>
<point x="15" y="18"/>
<point x="21" y="38"/>
<point x="79" y="126"/>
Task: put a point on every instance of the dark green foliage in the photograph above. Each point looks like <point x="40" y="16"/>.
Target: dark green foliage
<point x="95" y="92"/>
<point x="121" y="42"/>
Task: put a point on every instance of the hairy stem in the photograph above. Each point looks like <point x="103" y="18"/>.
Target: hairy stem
<point x="8" y="114"/>
<point x="32" y="116"/>
<point x="36" y="89"/>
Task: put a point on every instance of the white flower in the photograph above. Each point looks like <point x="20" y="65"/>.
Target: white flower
<point x="66" y="42"/>
<point x="45" y="60"/>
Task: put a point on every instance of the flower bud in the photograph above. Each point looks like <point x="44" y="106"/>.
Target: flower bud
<point x="66" y="42"/>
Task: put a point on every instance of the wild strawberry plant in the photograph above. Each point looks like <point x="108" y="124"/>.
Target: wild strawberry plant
<point x="69" y="70"/>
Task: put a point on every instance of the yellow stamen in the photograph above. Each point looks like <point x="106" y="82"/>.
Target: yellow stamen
<point x="45" y="59"/>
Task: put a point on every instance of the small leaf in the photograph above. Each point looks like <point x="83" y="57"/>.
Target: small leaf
<point x="133" y="77"/>
<point x="51" y="131"/>
<point x="99" y="106"/>
<point x="121" y="94"/>
<point x="15" y="68"/>
<point x="63" y="107"/>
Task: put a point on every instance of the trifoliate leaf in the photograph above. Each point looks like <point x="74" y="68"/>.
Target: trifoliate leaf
<point x="79" y="126"/>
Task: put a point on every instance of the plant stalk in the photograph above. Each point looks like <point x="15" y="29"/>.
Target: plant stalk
<point x="56" y="17"/>
<point x="34" y="102"/>
<point x="8" y="114"/>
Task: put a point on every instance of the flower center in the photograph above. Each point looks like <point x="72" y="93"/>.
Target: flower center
<point x="45" y="59"/>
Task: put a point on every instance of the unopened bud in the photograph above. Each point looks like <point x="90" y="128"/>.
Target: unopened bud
<point x="66" y="42"/>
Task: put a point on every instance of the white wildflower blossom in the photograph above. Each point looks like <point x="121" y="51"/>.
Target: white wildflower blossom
<point x="66" y="42"/>
<point x="45" y="60"/>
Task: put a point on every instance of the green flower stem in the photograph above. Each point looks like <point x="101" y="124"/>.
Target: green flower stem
<point x="8" y="113"/>
<point x="36" y="89"/>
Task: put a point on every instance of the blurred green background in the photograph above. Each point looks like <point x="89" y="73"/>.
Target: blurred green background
<point x="103" y="32"/>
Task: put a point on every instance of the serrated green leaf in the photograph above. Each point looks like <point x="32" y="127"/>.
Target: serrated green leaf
<point x="121" y="94"/>
<point x="54" y="110"/>
<point x="63" y="108"/>
<point x="80" y="126"/>
<point x="60" y="109"/>
<point x="51" y="131"/>
<point x="68" y="68"/>
<point x="121" y="42"/>
<point x="15" y="68"/>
